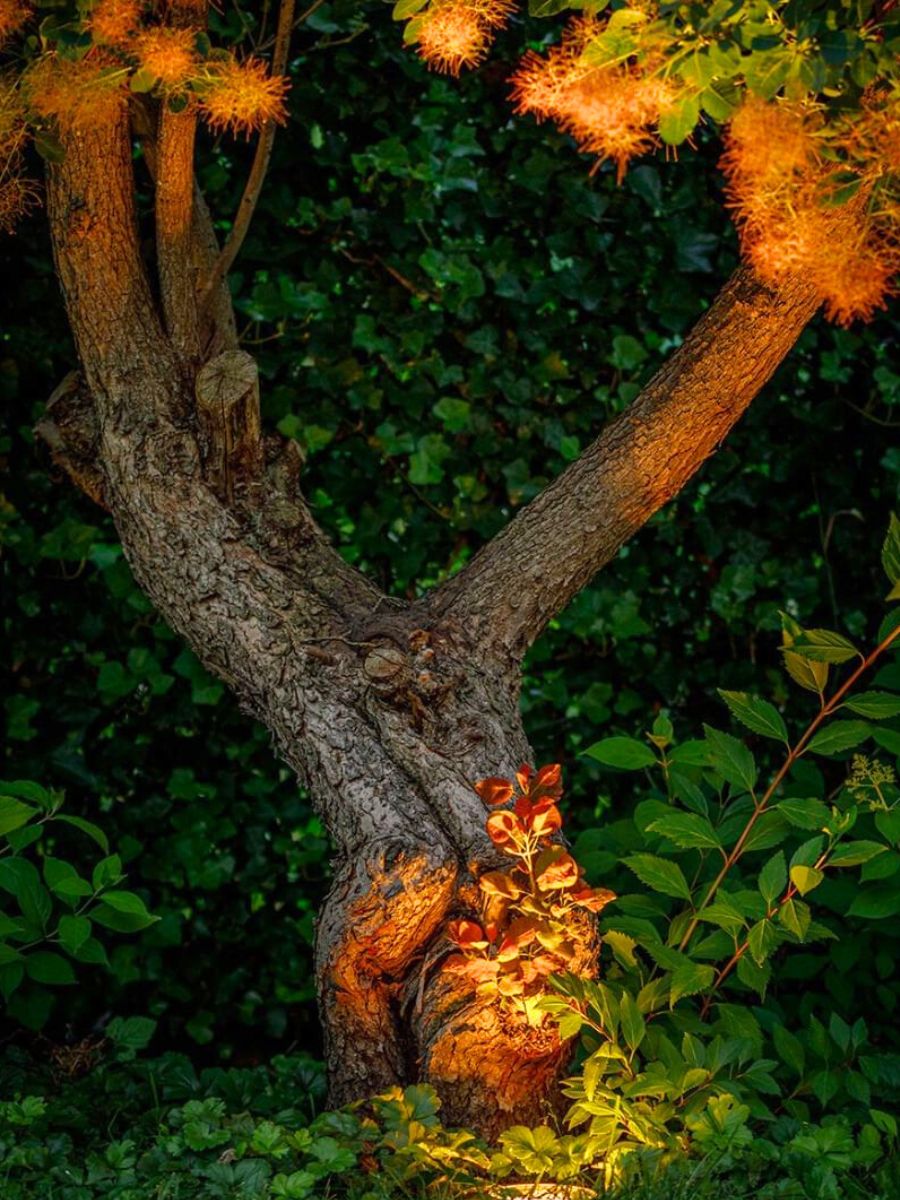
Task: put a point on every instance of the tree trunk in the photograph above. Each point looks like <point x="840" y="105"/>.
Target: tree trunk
<point x="388" y="712"/>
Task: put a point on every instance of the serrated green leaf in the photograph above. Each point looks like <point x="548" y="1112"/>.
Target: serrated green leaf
<point x="890" y="551"/>
<point x="877" y="706"/>
<point x="628" y="754"/>
<point x="731" y="759"/>
<point x="807" y="813"/>
<point x="758" y="715"/>
<point x="838" y="737"/>
<point x="687" y="830"/>
<point x="689" y="979"/>
<point x="773" y="878"/>
<point x="852" y="854"/>
<point x="795" y="916"/>
<point x="660" y="875"/>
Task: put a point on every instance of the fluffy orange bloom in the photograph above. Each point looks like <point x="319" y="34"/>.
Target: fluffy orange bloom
<point x="111" y="22"/>
<point x="780" y="183"/>
<point x="169" y="55"/>
<point x="242" y="96"/>
<point x="452" y="34"/>
<point x="13" y="15"/>
<point x="78" y="93"/>
<point x="610" y="110"/>
<point x="856" y="283"/>
<point x="18" y="195"/>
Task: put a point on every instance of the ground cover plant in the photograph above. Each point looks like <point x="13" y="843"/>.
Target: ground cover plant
<point x="456" y="332"/>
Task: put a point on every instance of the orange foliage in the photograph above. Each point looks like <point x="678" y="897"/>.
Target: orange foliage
<point x="452" y="34"/>
<point x="13" y="15"/>
<point x="525" y="932"/>
<point x="610" y="110"/>
<point x="243" y="96"/>
<point x="167" y="54"/>
<point x="781" y="184"/>
<point x="112" y="22"/>
<point x="78" y="93"/>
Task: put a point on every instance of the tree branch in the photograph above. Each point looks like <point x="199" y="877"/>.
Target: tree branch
<point x="175" y="228"/>
<point x="553" y="547"/>
<point x="258" y="170"/>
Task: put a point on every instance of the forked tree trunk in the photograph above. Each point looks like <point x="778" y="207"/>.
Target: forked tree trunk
<point x="388" y="712"/>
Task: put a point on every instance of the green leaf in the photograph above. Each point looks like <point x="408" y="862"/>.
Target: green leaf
<point x="758" y="715"/>
<point x="46" y="967"/>
<point x="875" y="903"/>
<point x="122" y="922"/>
<point x="753" y="975"/>
<point x="770" y="830"/>
<point x="127" y="902"/>
<point x="790" y="1049"/>
<point x="890" y="551"/>
<point x="29" y="791"/>
<point x="762" y="940"/>
<point x="824" y="646"/>
<point x="731" y="759"/>
<point x="805" y="879"/>
<point x="631" y="1021"/>
<point x="773" y="878"/>
<point x="838" y="737"/>
<point x="877" y="706"/>
<point x="73" y="933"/>
<point x="687" y="830"/>
<point x="130" y="1034"/>
<point x="688" y="979"/>
<point x="660" y="875"/>
<point x="852" y="854"/>
<point x="404" y="9"/>
<point x="108" y="870"/>
<point x="624" y="752"/>
<point x="807" y="813"/>
<point x="13" y="814"/>
<point x="724" y="914"/>
<point x="810" y="675"/>
<point x="678" y="120"/>
<point x="795" y="916"/>
<point x="89" y="828"/>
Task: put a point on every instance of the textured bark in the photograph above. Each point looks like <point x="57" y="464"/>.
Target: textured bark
<point x="387" y="711"/>
<point x="558" y="542"/>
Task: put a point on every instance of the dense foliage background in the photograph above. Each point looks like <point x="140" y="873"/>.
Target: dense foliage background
<point x="446" y="305"/>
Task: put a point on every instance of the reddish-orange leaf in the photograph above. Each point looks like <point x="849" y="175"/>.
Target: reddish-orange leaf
<point x="593" y="899"/>
<point x="468" y="935"/>
<point x="504" y="828"/>
<point x="561" y="873"/>
<point x="494" y="790"/>
<point x="498" y="883"/>
<point x="545" y="821"/>
<point x="547" y="782"/>
<point x="523" y="777"/>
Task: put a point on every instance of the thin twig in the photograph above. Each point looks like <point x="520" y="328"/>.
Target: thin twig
<point x="257" y="175"/>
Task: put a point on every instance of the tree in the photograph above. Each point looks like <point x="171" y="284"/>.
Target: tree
<point x="390" y="711"/>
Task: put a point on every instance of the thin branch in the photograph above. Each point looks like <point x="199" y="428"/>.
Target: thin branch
<point x="256" y="178"/>
<point x="174" y="201"/>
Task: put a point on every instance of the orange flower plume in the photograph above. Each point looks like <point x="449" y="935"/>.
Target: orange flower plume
<point x="167" y="54"/>
<point x="78" y="93"/>
<point x="13" y="15"/>
<point x="112" y="22"/>
<point x="243" y="96"/>
<point x="610" y="110"/>
<point x="452" y="34"/>
<point x="781" y="177"/>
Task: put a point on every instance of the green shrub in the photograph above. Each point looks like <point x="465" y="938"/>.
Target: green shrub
<point x="50" y="915"/>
